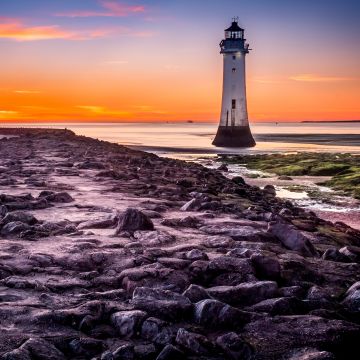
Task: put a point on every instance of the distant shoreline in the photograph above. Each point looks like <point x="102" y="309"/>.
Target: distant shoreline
<point x="330" y="121"/>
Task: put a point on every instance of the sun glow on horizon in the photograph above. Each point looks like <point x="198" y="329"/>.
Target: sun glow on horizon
<point x="108" y="60"/>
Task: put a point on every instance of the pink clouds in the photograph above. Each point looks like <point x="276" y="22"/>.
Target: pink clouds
<point x="110" y="9"/>
<point x="16" y="30"/>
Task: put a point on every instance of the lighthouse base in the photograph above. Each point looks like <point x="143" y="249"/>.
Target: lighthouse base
<point x="237" y="136"/>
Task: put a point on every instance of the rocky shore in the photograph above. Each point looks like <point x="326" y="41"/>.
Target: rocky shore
<point x="110" y="253"/>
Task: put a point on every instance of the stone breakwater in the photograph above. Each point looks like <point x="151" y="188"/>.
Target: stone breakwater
<point x="110" y="253"/>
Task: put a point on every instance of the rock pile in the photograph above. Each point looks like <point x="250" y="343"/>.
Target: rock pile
<point x="109" y="257"/>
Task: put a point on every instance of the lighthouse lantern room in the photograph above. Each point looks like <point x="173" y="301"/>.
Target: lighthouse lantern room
<point x="234" y="130"/>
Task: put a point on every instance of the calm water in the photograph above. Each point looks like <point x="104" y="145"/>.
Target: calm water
<point x="195" y="138"/>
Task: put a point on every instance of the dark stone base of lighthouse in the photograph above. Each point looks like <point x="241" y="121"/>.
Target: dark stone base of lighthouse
<point x="237" y="136"/>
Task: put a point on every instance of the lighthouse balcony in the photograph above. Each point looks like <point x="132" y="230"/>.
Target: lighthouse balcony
<point x="234" y="45"/>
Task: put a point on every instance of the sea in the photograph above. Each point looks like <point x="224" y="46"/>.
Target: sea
<point x="188" y="139"/>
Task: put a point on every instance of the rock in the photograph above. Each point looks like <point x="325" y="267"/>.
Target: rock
<point x="266" y="268"/>
<point x="42" y="349"/>
<point x="86" y="347"/>
<point x="270" y="190"/>
<point x="61" y="197"/>
<point x="234" y="346"/>
<point x="19" y="216"/>
<point x="35" y="348"/>
<point x="124" y="352"/>
<point x="285" y="177"/>
<point x="225" y="263"/>
<point x="194" y="343"/>
<point x="292" y="238"/>
<point x="154" y="238"/>
<point x="310" y="354"/>
<point x="196" y="293"/>
<point x="161" y="303"/>
<point x="218" y="242"/>
<point x="170" y="352"/>
<point x="352" y="297"/>
<point x="128" y="323"/>
<point x="98" y="224"/>
<point x="236" y="231"/>
<point x="351" y="252"/>
<point x="246" y="293"/>
<point x="238" y="180"/>
<point x="279" y="306"/>
<point x="223" y="167"/>
<point x="273" y="338"/>
<point x="157" y="331"/>
<point x="132" y="220"/>
<point x="335" y="255"/>
<point x="188" y="221"/>
<point x="14" y="228"/>
<point x="144" y="351"/>
<point x="192" y="205"/>
<point x="196" y="254"/>
<point x="214" y="314"/>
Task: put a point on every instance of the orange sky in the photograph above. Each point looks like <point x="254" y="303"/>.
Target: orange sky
<point x="63" y="69"/>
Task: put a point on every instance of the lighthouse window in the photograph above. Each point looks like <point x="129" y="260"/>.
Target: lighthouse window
<point x="234" y="57"/>
<point x="233" y="70"/>
<point x="233" y="104"/>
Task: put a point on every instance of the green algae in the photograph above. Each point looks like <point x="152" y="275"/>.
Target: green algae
<point x="343" y="168"/>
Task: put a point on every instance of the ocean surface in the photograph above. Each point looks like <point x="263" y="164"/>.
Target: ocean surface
<point x="186" y="139"/>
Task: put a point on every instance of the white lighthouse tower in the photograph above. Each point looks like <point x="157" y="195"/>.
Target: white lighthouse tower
<point x="234" y="130"/>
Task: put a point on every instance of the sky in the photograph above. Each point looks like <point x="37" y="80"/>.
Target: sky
<point x="159" y="60"/>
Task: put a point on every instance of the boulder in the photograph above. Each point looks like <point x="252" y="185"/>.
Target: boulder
<point x="266" y="268"/>
<point x="132" y="220"/>
<point x="279" y="306"/>
<point x="128" y="323"/>
<point x="161" y="303"/>
<point x="98" y="224"/>
<point x="14" y="228"/>
<point x="196" y="293"/>
<point x="196" y="254"/>
<point x="157" y="331"/>
<point x="170" y="352"/>
<point x="351" y="252"/>
<point x="292" y="238"/>
<point x="310" y="354"/>
<point x="194" y="343"/>
<point x="124" y="352"/>
<point x="20" y="216"/>
<point x="274" y="338"/>
<point x="234" y="346"/>
<point x="246" y="293"/>
<point x="214" y="314"/>
<point x="352" y="298"/>
<point x="192" y="205"/>
<point x="154" y="238"/>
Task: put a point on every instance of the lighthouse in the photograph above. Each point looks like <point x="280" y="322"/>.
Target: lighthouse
<point x="234" y="130"/>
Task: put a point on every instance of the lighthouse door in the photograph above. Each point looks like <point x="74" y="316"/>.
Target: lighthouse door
<point x="233" y="109"/>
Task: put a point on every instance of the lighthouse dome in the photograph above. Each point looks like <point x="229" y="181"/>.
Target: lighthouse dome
<point x="234" y="31"/>
<point x="234" y="27"/>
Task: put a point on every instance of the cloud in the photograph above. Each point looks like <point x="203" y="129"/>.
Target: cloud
<point x="109" y="9"/>
<point x="8" y="114"/>
<point x="27" y="92"/>
<point x="318" y="78"/>
<point x="14" y="29"/>
<point x="100" y="110"/>
<point x="18" y="31"/>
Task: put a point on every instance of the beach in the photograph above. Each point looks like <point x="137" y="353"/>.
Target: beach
<point x="108" y="252"/>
